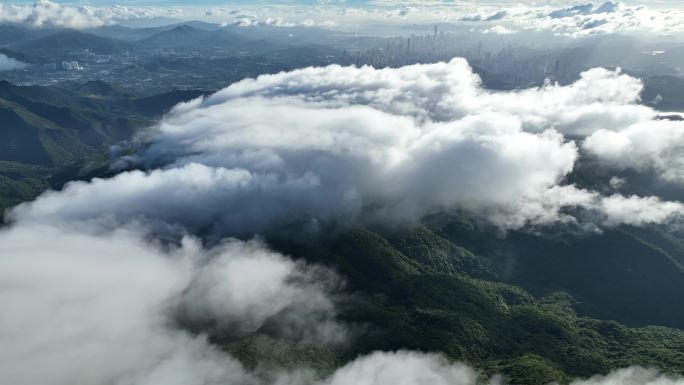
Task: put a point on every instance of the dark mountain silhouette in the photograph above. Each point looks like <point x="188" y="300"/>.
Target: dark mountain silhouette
<point x="71" y="40"/>
<point x="13" y="33"/>
<point x="187" y="36"/>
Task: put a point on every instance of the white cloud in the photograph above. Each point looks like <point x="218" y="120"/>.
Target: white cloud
<point x="88" y="309"/>
<point x="9" y="64"/>
<point x="599" y="99"/>
<point x="554" y="17"/>
<point x="632" y="375"/>
<point x="88" y="298"/>
<point x="98" y="308"/>
<point x="244" y="286"/>
<point x="403" y="368"/>
<point x="639" y="211"/>
<point x="581" y="19"/>
<point x="651" y="146"/>
<point x="499" y="30"/>
<point x="562" y="18"/>
<point x="93" y="308"/>
<point x="608" y="17"/>
<point x="321" y="147"/>
<point x="246" y="20"/>
<point x="45" y="13"/>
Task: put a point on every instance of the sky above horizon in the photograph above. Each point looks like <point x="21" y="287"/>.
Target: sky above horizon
<point x="658" y="17"/>
<point x="353" y="3"/>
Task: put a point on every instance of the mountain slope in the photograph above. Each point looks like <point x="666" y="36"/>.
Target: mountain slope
<point x="181" y="36"/>
<point x="19" y="140"/>
<point x="12" y="33"/>
<point x="185" y="36"/>
<point x="415" y="289"/>
<point x="50" y="135"/>
<point x="619" y="274"/>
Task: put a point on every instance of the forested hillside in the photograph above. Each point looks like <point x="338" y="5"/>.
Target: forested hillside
<point x="50" y="135"/>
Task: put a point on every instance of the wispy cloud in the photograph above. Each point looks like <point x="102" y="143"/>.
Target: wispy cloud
<point x="9" y="64"/>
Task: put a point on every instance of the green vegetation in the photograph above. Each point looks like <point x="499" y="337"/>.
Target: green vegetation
<point x="536" y="308"/>
<point x="418" y="290"/>
<point x="50" y="135"/>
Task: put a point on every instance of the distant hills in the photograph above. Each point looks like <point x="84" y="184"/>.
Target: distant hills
<point x="116" y="39"/>
<point x="58" y="43"/>
<point x="182" y="35"/>
<point x="513" y="310"/>
<point x="187" y="36"/>
<point x="70" y="41"/>
<point x="133" y="34"/>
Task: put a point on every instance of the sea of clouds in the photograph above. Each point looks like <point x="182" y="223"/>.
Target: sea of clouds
<point x="337" y="146"/>
<point x="92" y="293"/>
<point x="82" y="307"/>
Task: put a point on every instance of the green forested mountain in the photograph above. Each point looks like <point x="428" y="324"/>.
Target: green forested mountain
<point x="49" y="134"/>
<point x="548" y="316"/>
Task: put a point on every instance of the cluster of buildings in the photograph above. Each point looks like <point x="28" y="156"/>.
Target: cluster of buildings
<point x="90" y="59"/>
<point x="163" y="52"/>
<point x="492" y="54"/>
<point x="65" y="65"/>
<point x="71" y="66"/>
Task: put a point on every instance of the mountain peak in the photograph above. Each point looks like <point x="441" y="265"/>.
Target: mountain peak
<point x="184" y="29"/>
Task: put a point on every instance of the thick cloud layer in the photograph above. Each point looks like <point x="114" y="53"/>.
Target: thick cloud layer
<point x="102" y="308"/>
<point x="645" y="146"/>
<point x="338" y="145"/>
<point x="243" y="287"/>
<point x="403" y="368"/>
<point x="87" y="298"/>
<point x="609" y="17"/>
<point x="98" y="309"/>
<point x="574" y="19"/>
<point x="45" y="13"/>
